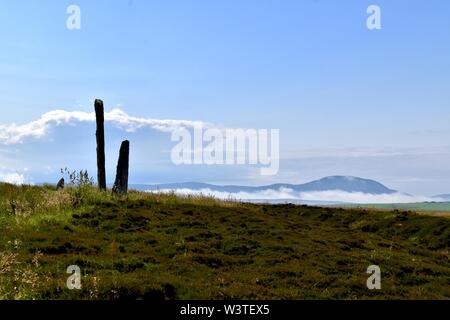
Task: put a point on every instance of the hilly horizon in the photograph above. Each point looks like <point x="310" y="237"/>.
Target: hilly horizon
<point x="328" y="190"/>
<point x="343" y="183"/>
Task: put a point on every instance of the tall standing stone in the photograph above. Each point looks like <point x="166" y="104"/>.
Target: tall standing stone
<point x="121" y="183"/>
<point x="100" y="135"/>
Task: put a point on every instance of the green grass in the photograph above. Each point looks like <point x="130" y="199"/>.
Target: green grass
<point x="153" y="246"/>
<point x="420" y="206"/>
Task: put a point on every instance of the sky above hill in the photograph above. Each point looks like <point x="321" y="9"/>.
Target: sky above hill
<point x="347" y="100"/>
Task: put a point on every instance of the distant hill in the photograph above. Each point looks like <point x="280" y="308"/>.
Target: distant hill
<point x="442" y="197"/>
<point x="343" y="183"/>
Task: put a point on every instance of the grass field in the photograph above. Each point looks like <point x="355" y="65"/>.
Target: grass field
<point x="430" y="207"/>
<point x="152" y="246"/>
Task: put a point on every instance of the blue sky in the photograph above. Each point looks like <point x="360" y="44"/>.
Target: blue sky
<point x="347" y="100"/>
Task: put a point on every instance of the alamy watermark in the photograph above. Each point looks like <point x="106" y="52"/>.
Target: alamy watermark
<point x="74" y="280"/>
<point x="374" y="281"/>
<point x="374" y="20"/>
<point x="73" y="22"/>
<point x="228" y="147"/>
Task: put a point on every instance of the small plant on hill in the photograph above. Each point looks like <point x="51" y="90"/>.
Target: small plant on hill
<point x="81" y="183"/>
<point x="76" y="178"/>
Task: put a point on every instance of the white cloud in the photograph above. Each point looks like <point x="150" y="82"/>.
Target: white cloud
<point x="360" y="197"/>
<point x="282" y="193"/>
<point x="325" y="196"/>
<point x="13" y="133"/>
<point x="13" y="178"/>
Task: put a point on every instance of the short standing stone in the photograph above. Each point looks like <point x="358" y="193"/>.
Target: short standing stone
<point x="60" y="184"/>
<point x="121" y="183"/>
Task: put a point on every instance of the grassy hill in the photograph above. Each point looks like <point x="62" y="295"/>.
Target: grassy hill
<point x="435" y="208"/>
<point x="150" y="246"/>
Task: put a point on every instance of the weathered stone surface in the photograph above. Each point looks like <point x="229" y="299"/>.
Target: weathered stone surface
<point x="100" y="135"/>
<point x="121" y="182"/>
<point x="60" y="184"/>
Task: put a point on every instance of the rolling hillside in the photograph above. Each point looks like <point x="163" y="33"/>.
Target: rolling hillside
<point x="150" y="246"/>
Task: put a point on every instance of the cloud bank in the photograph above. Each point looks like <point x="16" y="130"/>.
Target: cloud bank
<point x="323" y="196"/>
<point x="14" y="134"/>
<point x="12" y="177"/>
